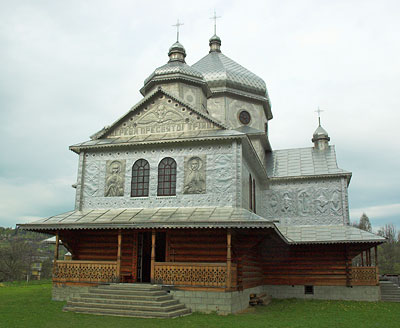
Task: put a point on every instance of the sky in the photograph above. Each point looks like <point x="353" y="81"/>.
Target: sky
<point x="68" y="68"/>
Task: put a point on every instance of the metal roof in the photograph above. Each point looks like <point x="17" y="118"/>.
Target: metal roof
<point x="327" y="234"/>
<point x="221" y="71"/>
<point x="159" y="138"/>
<point x="140" y="218"/>
<point x="175" y="67"/>
<point x="303" y="162"/>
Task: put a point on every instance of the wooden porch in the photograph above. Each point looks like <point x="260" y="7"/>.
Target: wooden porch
<point x="205" y="261"/>
<point x="204" y="275"/>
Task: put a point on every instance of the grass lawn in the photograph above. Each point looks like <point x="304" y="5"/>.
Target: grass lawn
<point x="30" y="305"/>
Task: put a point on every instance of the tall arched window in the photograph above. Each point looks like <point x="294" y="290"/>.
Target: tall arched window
<point x="166" y="177"/>
<point x="140" y="178"/>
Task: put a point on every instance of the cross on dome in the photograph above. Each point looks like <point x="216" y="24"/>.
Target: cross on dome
<point x="319" y="111"/>
<point x="177" y="29"/>
<point x="215" y="17"/>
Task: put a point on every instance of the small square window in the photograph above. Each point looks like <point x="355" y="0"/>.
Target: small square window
<point x="309" y="290"/>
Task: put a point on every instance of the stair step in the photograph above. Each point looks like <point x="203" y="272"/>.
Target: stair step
<point x="146" y="287"/>
<point x="138" y="297"/>
<point x="390" y="300"/>
<point x="124" y="307"/>
<point x="121" y="291"/>
<point x="162" y="303"/>
<point x="124" y="313"/>
<point x="132" y="300"/>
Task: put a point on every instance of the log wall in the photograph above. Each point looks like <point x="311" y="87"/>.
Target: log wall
<point x="102" y="245"/>
<point x="199" y="245"/>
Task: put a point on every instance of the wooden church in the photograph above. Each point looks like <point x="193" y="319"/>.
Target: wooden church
<point x="185" y="193"/>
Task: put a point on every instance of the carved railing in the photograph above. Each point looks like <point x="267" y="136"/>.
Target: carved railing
<point x="194" y="274"/>
<point x="85" y="271"/>
<point x="364" y="276"/>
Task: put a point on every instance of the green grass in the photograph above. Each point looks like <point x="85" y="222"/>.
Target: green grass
<point x="29" y="305"/>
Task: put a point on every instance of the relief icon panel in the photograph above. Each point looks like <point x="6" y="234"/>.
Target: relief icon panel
<point x="115" y="178"/>
<point x="195" y="175"/>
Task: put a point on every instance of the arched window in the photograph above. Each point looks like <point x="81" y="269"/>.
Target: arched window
<point x="166" y="177"/>
<point x="140" y="178"/>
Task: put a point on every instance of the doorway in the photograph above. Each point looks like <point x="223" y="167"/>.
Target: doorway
<point x="144" y="254"/>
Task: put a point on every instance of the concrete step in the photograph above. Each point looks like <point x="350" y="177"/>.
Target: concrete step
<point x="110" y="306"/>
<point x="145" y="287"/>
<point x="162" y="303"/>
<point x="390" y="292"/>
<point x="138" y="297"/>
<point x="390" y="300"/>
<point x="125" y="313"/>
<point x="128" y="291"/>
<point x="132" y="300"/>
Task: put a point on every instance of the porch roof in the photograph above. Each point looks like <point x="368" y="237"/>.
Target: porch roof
<point x="327" y="234"/>
<point x="142" y="218"/>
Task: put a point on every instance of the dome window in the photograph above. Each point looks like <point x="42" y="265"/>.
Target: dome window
<point x="244" y="117"/>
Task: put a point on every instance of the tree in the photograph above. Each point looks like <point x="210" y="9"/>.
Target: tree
<point x="16" y="259"/>
<point x="389" y="252"/>
<point x="389" y="232"/>
<point x="365" y="224"/>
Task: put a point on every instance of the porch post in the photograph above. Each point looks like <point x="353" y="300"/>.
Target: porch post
<point x="56" y="252"/>
<point x="348" y="267"/>
<point x="153" y="255"/>
<point x="228" y="259"/>
<point x="119" y="255"/>
<point x="56" y="248"/>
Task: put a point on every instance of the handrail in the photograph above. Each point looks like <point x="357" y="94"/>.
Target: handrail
<point x="85" y="271"/>
<point x="194" y="274"/>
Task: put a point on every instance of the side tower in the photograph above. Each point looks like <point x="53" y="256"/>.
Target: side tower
<point x="239" y="98"/>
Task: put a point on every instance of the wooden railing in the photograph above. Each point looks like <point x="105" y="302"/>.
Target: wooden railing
<point x="85" y="271"/>
<point x="194" y="274"/>
<point x="364" y="276"/>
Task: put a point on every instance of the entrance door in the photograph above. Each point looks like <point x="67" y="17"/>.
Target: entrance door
<point x="144" y="254"/>
<point x="144" y="257"/>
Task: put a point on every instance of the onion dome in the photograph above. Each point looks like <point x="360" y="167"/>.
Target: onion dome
<point x="215" y="44"/>
<point x="320" y="138"/>
<point x="222" y="74"/>
<point x="175" y="69"/>
<point x="177" y="52"/>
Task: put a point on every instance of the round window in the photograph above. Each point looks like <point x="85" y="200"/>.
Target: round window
<point x="244" y="117"/>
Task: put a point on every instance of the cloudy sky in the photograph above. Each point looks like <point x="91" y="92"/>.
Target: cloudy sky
<point x="67" y="68"/>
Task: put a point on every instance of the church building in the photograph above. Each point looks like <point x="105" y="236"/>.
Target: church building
<point x="186" y="193"/>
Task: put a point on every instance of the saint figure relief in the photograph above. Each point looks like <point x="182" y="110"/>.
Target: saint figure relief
<point x="115" y="179"/>
<point x="195" y="176"/>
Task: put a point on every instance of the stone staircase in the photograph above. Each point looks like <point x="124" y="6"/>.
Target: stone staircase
<point x="390" y="292"/>
<point x="127" y="300"/>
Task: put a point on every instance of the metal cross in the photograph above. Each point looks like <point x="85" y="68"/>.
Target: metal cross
<point x="215" y="17"/>
<point x="177" y="29"/>
<point x="319" y="115"/>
